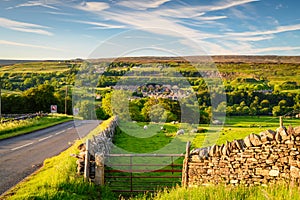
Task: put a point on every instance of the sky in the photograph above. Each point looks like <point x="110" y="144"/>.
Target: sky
<point x="68" y="29"/>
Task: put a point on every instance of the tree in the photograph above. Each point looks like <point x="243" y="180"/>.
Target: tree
<point x="265" y="103"/>
<point x="246" y="110"/>
<point x="157" y="113"/>
<point x="277" y="111"/>
<point x="117" y="103"/>
<point x="86" y="109"/>
<point x="101" y="114"/>
<point x="221" y="107"/>
<point x="282" y="103"/>
<point x="39" y="98"/>
<point x="147" y="108"/>
<point x="135" y="112"/>
<point x="29" y="82"/>
<point x="106" y="104"/>
<point x="120" y="104"/>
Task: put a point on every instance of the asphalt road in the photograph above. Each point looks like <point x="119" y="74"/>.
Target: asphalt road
<point x="20" y="156"/>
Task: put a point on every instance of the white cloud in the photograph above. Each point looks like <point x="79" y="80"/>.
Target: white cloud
<point x="11" y="43"/>
<point x="226" y="4"/>
<point x="224" y="47"/>
<point x="60" y="13"/>
<point x="239" y="14"/>
<point x="99" y="25"/>
<point x="188" y="11"/>
<point x="253" y="39"/>
<point x="168" y="22"/>
<point x="211" y="18"/>
<point x="277" y="7"/>
<point x="93" y="6"/>
<point x="153" y="23"/>
<point x="271" y="49"/>
<point x="24" y="27"/>
<point x="142" y="5"/>
<point x="179" y="12"/>
<point x="159" y="18"/>
<point x="42" y="3"/>
<point x="278" y="29"/>
<point x="182" y="21"/>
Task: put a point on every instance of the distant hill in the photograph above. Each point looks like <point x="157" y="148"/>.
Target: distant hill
<point x="153" y="59"/>
<point x="11" y="62"/>
<point x="216" y="59"/>
<point x="256" y="59"/>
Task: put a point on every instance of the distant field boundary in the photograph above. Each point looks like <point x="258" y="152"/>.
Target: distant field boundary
<point x="214" y="58"/>
<point x="153" y="59"/>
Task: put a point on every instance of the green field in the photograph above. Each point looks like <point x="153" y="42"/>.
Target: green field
<point x="36" y="67"/>
<point x="21" y="127"/>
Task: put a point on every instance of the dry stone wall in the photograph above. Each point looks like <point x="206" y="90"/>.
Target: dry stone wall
<point x="95" y="150"/>
<point x="258" y="159"/>
<point x="103" y="141"/>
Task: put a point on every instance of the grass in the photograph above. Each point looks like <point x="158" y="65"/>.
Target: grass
<point x="131" y="135"/>
<point x="15" y="128"/>
<point x="133" y="138"/>
<point x="57" y="179"/>
<point x="282" y="191"/>
<point x="9" y="92"/>
<point x="36" y="67"/>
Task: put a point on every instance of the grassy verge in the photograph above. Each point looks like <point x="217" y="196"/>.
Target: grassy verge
<point x="11" y="129"/>
<point x="282" y="191"/>
<point x="57" y="179"/>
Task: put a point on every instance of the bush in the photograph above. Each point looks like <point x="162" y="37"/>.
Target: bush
<point x="201" y="130"/>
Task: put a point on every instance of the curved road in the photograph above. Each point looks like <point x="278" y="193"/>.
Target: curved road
<point x="20" y="156"/>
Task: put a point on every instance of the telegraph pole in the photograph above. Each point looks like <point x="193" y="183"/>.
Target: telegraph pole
<point x="0" y="99"/>
<point x="66" y="99"/>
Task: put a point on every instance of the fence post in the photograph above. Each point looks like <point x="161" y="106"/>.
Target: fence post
<point x="86" y="174"/>
<point x="185" y="169"/>
<point x="280" y="121"/>
<point x="99" y="168"/>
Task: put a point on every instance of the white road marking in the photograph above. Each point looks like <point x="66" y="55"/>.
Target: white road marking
<point x="19" y="147"/>
<point x="25" y="145"/>
<point x="45" y="138"/>
<point x="60" y="132"/>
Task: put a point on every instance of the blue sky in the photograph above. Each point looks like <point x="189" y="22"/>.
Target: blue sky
<point x="66" y="29"/>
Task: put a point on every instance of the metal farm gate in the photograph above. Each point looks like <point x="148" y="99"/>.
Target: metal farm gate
<point x="142" y="172"/>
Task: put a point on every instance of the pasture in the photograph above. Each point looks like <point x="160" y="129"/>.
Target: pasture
<point x="21" y="127"/>
<point x="36" y="67"/>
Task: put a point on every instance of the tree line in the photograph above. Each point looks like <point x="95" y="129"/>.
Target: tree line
<point x="36" y="99"/>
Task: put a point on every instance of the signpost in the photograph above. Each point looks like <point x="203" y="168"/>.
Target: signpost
<point x="53" y="108"/>
<point x="75" y="111"/>
<point x="66" y="100"/>
<point x="0" y="99"/>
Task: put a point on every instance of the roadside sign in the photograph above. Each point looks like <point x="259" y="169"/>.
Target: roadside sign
<point x="75" y="111"/>
<point x="53" y="108"/>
